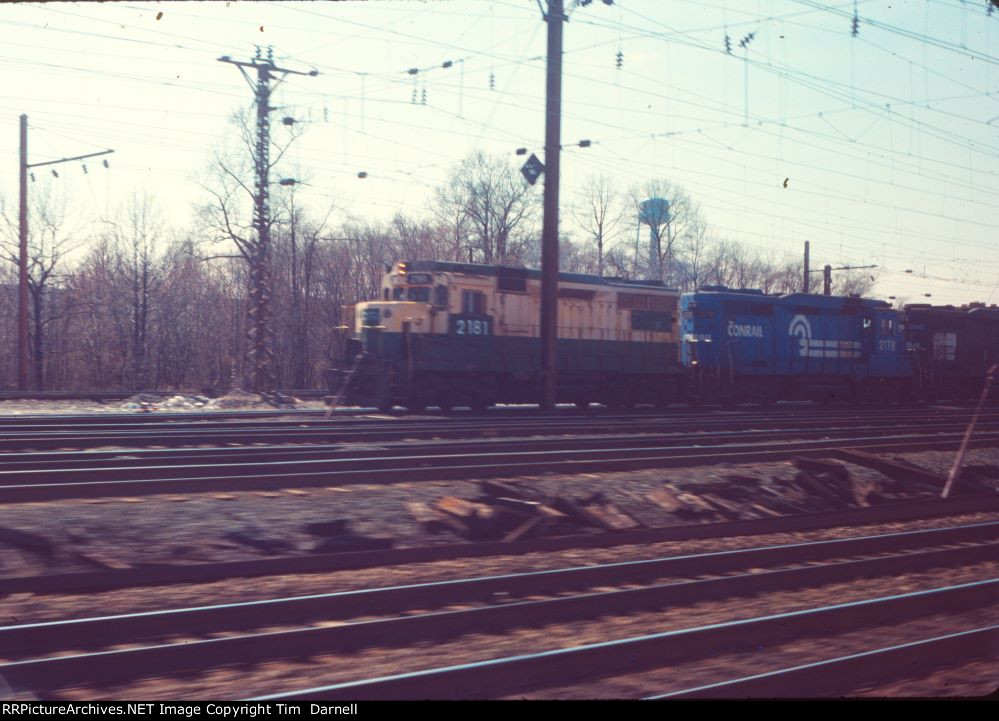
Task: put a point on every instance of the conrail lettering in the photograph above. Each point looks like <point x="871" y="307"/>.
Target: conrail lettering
<point x="744" y="330"/>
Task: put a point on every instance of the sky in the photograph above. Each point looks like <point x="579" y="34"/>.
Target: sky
<point x="888" y="139"/>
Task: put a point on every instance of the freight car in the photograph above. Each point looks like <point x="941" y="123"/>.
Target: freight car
<point x="463" y="334"/>
<point x="743" y="345"/>
<point x="952" y="348"/>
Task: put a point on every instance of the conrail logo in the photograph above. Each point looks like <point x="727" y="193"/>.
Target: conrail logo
<point x="809" y="347"/>
<point x="744" y="330"/>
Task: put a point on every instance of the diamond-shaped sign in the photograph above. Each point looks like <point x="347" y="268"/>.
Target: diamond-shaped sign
<point x="533" y="169"/>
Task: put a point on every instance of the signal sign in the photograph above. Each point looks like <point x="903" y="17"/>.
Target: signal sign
<point x="533" y="169"/>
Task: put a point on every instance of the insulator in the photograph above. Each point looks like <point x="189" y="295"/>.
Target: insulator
<point x="423" y="96"/>
<point x="32" y="177"/>
<point x="728" y="43"/>
<point x="54" y="173"/>
<point x="106" y="163"/>
<point x="620" y="59"/>
<point x="84" y="168"/>
<point x="492" y="81"/>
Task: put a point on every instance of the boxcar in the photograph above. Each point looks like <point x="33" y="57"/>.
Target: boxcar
<point x="462" y="334"/>
<point x="952" y="348"/>
<point x="743" y="345"/>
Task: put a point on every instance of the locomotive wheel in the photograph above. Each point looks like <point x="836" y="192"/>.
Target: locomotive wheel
<point x="476" y="399"/>
<point x="622" y="396"/>
<point x="444" y="400"/>
<point x="663" y="397"/>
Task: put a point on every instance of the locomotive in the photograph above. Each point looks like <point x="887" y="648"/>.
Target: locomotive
<point x="464" y="334"/>
<point x="742" y="345"/>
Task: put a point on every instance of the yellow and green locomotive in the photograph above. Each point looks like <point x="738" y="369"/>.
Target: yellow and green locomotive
<point x="462" y="334"/>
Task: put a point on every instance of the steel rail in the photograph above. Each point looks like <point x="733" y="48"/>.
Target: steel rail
<point x="838" y="676"/>
<point x="235" y="461"/>
<point x="46" y="674"/>
<point x="160" y="575"/>
<point x="502" y="676"/>
<point x="47" y="636"/>
<point x="387" y="470"/>
<point x="367" y="431"/>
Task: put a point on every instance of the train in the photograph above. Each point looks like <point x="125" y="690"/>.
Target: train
<point x="453" y="335"/>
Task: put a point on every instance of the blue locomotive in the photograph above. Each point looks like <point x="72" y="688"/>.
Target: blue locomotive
<point x="742" y="345"/>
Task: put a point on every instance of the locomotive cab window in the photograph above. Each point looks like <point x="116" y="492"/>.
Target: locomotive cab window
<point x="385" y="294"/>
<point x="397" y="293"/>
<point x="868" y="323"/>
<point x="420" y="295"/>
<point x="440" y="296"/>
<point x="473" y="302"/>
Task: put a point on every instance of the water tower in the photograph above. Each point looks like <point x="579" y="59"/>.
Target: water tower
<point x="654" y="213"/>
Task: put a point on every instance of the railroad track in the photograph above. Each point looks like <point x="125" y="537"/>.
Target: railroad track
<point x="129" y="462"/>
<point x="46" y="657"/>
<point x="420" y="465"/>
<point x="307" y="428"/>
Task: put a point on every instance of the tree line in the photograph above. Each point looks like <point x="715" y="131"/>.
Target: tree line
<point x="128" y="302"/>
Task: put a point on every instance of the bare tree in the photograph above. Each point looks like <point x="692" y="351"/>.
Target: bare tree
<point x="598" y="212"/>
<point x="135" y="234"/>
<point x="49" y="243"/>
<point x="229" y="216"/>
<point x="487" y="194"/>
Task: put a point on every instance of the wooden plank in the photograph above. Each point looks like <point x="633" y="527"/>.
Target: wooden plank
<point x="524" y="529"/>
<point x="611" y="517"/>
<point x="666" y="500"/>
<point x="891" y="468"/>
<point x="463" y="509"/>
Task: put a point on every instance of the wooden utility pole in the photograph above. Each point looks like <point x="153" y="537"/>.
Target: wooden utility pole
<point x="827" y="273"/>
<point x="549" y="230"/>
<point x="806" y="268"/>
<point x="23" y="359"/>
<point x="22" y="265"/>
